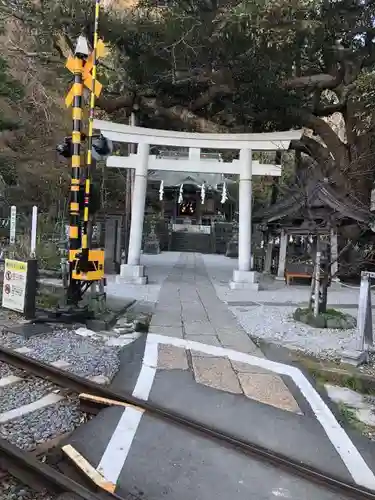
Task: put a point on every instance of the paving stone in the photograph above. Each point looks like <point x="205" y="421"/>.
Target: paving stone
<point x="172" y="358"/>
<point x="166" y="320"/>
<point x="205" y="339"/>
<point x="199" y="328"/>
<point x="268" y="389"/>
<point x="247" y="368"/>
<point x="237" y="341"/>
<point x="224" y="322"/>
<point x="168" y="331"/>
<point x="216" y="373"/>
<point x="229" y="330"/>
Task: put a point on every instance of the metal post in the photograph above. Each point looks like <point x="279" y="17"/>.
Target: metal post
<point x="74" y="229"/>
<point x="317" y="284"/>
<point x="34" y="223"/>
<point x="85" y="225"/>
<point x="13" y="222"/>
<point x="364" y="319"/>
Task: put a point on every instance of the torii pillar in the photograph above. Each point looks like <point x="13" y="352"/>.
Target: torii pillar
<point x="244" y="277"/>
<point x="133" y="271"/>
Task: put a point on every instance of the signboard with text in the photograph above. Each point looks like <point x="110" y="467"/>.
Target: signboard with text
<point x="14" y="286"/>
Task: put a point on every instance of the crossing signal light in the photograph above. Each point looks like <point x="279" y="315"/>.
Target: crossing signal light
<point x="101" y="147"/>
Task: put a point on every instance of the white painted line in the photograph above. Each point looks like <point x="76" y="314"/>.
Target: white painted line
<point x="117" y="450"/>
<point x="9" y="380"/>
<point x="48" y="400"/>
<point x="119" y="445"/>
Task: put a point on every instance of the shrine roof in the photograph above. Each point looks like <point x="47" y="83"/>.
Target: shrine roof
<point x="316" y="194"/>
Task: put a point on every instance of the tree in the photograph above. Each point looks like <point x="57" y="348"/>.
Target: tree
<point x="213" y="65"/>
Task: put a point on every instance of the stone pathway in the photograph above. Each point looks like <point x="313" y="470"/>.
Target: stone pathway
<point x="189" y="308"/>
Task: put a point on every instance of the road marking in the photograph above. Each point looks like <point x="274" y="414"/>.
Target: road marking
<point x="48" y="400"/>
<point x="10" y="379"/>
<point x="118" y="447"/>
<point x="115" y="454"/>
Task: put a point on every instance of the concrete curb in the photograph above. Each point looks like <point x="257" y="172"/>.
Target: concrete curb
<point x="108" y="320"/>
<point x="347" y="377"/>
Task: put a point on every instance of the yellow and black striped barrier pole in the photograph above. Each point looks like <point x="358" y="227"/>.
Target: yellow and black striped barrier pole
<point x="85" y="237"/>
<point x="74" y="229"/>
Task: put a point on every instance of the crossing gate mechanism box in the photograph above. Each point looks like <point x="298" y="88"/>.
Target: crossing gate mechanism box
<point x="19" y="286"/>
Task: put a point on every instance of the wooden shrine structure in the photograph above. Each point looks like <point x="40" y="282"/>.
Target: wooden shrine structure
<point x="298" y="219"/>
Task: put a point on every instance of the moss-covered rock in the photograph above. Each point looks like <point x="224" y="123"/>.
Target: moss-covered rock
<point x="330" y="319"/>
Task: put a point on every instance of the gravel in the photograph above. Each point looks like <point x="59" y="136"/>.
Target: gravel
<point x="10" y="489"/>
<point x="87" y="356"/>
<point x="5" y="370"/>
<point x="41" y="425"/>
<point x="276" y="325"/>
<point x="23" y="393"/>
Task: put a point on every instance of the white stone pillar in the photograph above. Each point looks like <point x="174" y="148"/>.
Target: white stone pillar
<point x="282" y="255"/>
<point x="334" y="255"/>
<point x="243" y="277"/>
<point x="133" y="272"/>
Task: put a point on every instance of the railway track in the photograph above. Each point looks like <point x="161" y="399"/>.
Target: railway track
<point x="29" y="406"/>
<point x="81" y="385"/>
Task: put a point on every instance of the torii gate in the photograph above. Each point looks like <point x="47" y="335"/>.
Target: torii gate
<point x="243" y="277"/>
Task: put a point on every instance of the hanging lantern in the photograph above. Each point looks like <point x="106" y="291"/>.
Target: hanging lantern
<point x="224" y="195"/>
<point x="181" y="194"/>
<point x="277" y="241"/>
<point x="203" y="192"/>
<point x="291" y="239"/>
<point x="161" y="191"/>
<point x="311" y="239"/>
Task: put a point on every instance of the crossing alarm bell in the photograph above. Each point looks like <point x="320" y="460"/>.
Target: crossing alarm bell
<point x="101" y="148"/>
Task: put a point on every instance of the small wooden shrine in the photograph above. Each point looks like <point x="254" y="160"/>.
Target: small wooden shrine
<point x="292" y="226"/>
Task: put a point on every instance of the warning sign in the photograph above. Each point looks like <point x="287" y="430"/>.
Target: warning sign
<point x="14" y="287"/>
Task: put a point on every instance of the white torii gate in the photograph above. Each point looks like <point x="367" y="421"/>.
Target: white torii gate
<point x="243" y="277"/>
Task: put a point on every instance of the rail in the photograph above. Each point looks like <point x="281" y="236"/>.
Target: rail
<point x="78" y="384"/>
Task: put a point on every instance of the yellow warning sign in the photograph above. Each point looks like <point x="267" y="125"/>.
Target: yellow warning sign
<point x="72" y="66"/>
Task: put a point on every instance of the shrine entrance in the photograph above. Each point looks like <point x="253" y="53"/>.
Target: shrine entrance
<point x="194" y="162"/>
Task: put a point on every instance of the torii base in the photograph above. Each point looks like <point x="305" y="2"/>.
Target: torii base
<point x="134" y="275"/>
<point x="244" y="280"/>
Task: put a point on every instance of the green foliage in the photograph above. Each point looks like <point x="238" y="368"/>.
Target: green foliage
<point x="9" y="87"/>
<point x="8" y="170"/>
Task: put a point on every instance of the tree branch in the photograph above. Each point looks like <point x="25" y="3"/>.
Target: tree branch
<point x="173" y="113"/>
<point x="323" y="81"/>
<point x="327" y="134"/>
<point x="208" y="96"/>
<point x="312" y="148"/>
